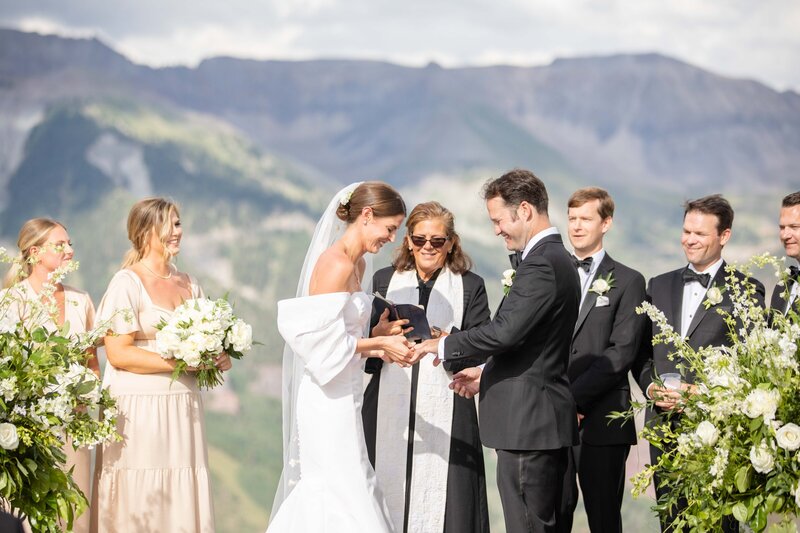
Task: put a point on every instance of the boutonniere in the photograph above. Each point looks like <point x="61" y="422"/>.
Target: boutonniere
<point x="601" y="285"/>
<point x="713" y="296"/>
<point x="508" y="280"/>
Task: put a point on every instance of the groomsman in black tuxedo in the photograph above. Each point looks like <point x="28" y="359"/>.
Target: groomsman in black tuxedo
<point x="680" y="295"/>
<point x="789" y="224"/>
<point x="526" y="410"/>
<point x="605" y="343"/>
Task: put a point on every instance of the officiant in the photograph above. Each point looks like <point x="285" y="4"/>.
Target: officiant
<point x="422" y="438"/>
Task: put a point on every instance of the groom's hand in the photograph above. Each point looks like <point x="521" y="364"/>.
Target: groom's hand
<point x="467" y="383"/>
<point x="426" y="347"/>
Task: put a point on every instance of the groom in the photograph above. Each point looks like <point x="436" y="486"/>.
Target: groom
<point x="526" y="410"/>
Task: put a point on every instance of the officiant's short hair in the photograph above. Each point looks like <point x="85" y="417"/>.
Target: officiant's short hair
<point x="517" y="186"/>
<point x="714" y="204"/>
<point x="606" y="207"/>
<point x="791" y="200"/>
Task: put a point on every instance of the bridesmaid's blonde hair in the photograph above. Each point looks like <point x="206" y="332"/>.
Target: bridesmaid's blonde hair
<point x="34" y="232"/>
<point x="146" y="216"/>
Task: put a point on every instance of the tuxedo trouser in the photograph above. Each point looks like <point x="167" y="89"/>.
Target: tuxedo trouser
<point x="530" y="484"/>
<point x="601" y="472"/>
<point x="729" y="525"/>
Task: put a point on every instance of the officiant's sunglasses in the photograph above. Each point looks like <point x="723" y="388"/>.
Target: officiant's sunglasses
<point x="436" y="242"/>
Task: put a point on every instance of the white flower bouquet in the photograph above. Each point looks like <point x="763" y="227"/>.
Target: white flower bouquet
<point x="734" y="450"/>
<point x="47" y="394"/>
<point x="199" y="330"/>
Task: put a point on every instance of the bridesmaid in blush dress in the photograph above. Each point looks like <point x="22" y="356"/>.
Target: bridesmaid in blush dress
<point x="156" y="479"/>
<point x="44" y="246"/>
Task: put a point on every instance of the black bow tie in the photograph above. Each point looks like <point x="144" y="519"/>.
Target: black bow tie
<point x="515" y="259"/>
<point x="585" y="264"/>
<point x="690" y="275"/>
<point x="794" y="273"/>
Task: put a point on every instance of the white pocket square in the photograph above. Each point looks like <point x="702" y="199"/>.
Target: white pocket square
<point x="602" y="301"/>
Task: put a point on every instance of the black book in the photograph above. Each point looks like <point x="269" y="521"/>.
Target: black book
<point x="414" y="313"/>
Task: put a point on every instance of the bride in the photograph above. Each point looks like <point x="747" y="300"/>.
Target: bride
<point x="327" y="482"/>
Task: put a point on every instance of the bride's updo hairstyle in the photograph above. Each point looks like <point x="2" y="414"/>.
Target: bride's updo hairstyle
<point x="150" y="214"/>
<point x="381" y="197"/>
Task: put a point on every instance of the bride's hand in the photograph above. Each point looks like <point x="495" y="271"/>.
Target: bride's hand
<point x="397" y="349"/>
<point x="385" y="327"/>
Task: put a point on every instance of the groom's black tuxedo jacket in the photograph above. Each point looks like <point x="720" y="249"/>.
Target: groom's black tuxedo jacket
<point x="708" y="328"/>
<point x="605" y="346"/>
<point x="525" y="403"/>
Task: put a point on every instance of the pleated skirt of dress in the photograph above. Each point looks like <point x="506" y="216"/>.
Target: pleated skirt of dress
<point x="156" y="479"/>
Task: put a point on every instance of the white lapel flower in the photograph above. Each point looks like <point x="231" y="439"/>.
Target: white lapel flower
<point x="508" y="280"/>
<point x="713" y="296"/>
<point x="600" y="286"/>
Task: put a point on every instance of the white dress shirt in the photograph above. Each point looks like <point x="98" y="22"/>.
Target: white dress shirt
<point x="694" y="294"/>
<point x="588" y="277"/>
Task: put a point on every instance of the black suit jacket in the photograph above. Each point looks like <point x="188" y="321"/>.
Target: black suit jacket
<point x="605" y="346"/>
<point x="525" y="403"/>
<point x="708" y="327"/>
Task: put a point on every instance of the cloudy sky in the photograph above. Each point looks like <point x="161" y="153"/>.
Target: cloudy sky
<point x="743" y="38"/>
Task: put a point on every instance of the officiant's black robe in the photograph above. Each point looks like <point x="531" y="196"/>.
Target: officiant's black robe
<point x="466" y="507"/>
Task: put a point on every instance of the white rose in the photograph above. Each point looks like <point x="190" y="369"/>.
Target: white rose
<point x="762" y="458"/>
<point x="788" y="437"/>
<point x="240" y="336"/>
<point x="8" y="436"/>
<point x="508" y="277"/>
<point x="760" y="402"/>
<point x="706" y="433"/>
<point x="714" y="295"/>
<point x="600" y="286"/>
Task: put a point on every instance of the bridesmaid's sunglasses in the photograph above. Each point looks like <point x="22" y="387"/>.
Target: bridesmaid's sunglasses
<point x="437" y="242"/>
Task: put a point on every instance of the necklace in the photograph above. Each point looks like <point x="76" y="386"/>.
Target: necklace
<point x="153" y="273"/>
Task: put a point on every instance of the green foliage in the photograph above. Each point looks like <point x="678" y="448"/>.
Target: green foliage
<point x="732" y="451"/>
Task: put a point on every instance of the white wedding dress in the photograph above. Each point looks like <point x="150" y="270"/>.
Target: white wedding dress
<point x="336" y="491"/>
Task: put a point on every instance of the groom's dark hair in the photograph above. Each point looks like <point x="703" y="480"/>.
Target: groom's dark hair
<point x="517" y="186"/>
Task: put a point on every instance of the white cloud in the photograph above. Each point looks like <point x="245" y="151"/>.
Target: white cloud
<point x="732" y="37"/>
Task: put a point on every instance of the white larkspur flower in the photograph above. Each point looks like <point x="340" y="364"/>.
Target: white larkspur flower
<point x="686" y="444"/>
<point x="762" y="459"/>
<point x="788" y="437"/>
<point x="760" y="402"/>
<point x="9" y="439"/>
<point x="706" y="433"/>
<point x="7" y="325"/>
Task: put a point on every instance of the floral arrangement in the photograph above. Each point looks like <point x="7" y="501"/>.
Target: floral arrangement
<point x="47" y="395"/>
<point x="508" y="280"/>
<point x="199" y="330"/>
<point x="734" y="450"/>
